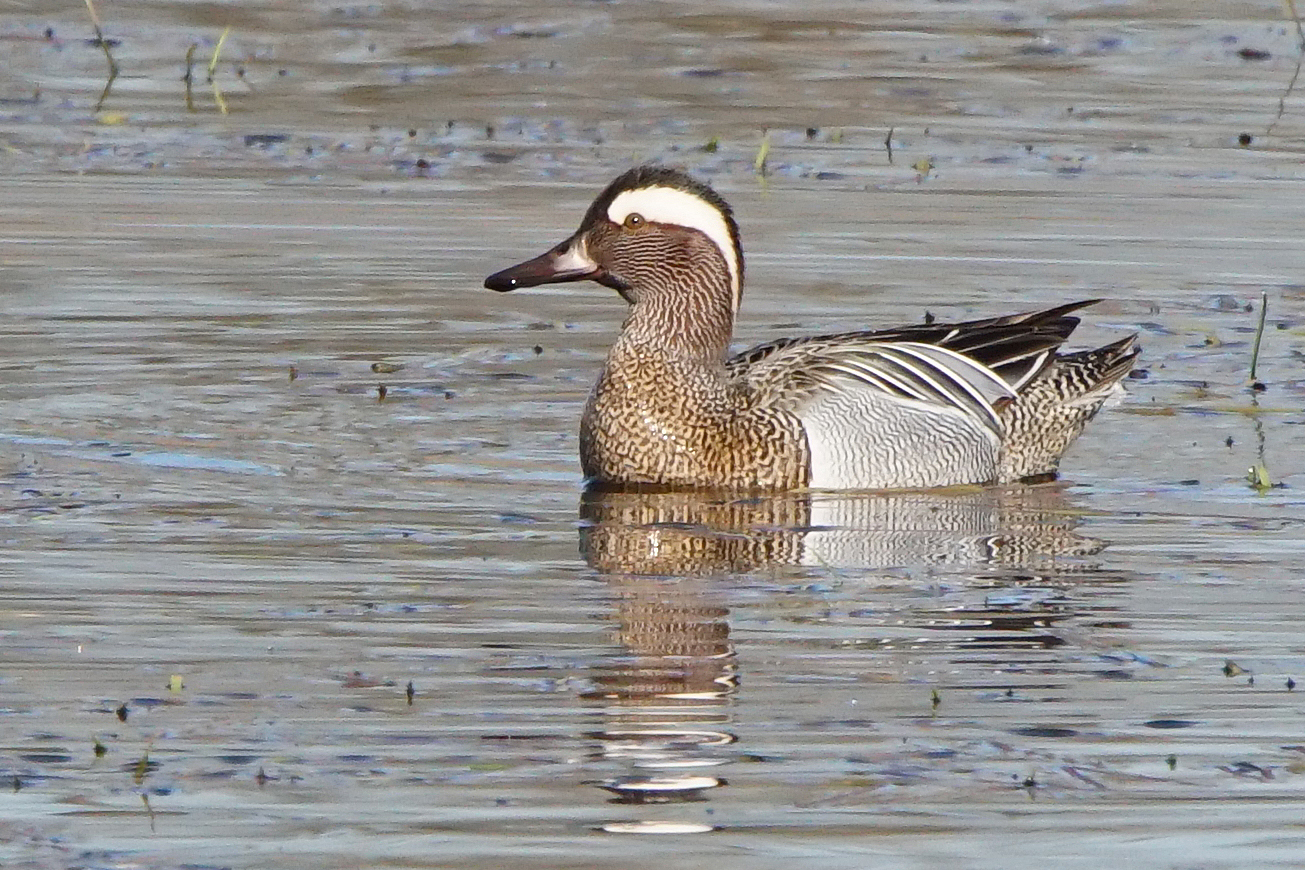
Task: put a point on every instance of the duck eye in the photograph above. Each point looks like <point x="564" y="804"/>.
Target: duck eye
<point x="633" y="219"/>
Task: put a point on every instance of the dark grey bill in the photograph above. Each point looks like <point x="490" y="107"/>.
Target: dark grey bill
<point x="559" y="264"/>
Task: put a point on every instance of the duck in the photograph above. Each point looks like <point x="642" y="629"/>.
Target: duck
<point x="991" y="401"/>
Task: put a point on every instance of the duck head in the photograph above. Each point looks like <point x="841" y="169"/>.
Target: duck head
<point x="653" y="232"/>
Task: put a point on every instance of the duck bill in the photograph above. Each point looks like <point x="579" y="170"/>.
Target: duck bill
<point x="568" y="261"/>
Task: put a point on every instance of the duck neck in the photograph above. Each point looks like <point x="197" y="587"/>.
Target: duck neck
<point x="693" y="320"/>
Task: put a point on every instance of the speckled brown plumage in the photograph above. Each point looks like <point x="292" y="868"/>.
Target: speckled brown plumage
<point x="682" y="422"/>
<point x="931" y="405"/>
<point x="1051" y="411"/>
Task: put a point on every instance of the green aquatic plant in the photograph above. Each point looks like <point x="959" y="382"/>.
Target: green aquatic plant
<point x="103" y="43"/>
<point x="1291" y="85"/>
<point x="763" y="153"/>
<point x="212" y="67"/>
<point x="1258" y="477"/>
<point x="108" y="55"/>
<point x="1259" y="335"/>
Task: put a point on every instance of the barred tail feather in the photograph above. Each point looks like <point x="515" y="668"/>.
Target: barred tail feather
<point x="1053" y="409"/>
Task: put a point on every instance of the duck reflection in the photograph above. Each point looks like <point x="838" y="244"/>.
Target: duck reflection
<point x="695" y="534"/>
<point x="665" y="695"/>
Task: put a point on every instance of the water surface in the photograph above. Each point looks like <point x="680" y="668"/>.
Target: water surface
<point x="226" y="551"/>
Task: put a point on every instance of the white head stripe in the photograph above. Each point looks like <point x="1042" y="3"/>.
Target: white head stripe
<point x="669" y="205"/>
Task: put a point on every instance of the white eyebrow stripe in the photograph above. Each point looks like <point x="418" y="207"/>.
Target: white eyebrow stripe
<point x="668" y="205"/>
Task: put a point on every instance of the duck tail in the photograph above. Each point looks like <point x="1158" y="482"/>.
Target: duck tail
<point x="1052" y="409"/>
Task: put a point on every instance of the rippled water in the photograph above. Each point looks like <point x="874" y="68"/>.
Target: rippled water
<point x="270" y="456"/>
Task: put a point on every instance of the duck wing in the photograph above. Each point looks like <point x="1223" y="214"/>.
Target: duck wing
<point x="976" y="367"/>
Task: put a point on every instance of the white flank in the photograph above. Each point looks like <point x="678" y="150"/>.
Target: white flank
<point x="861" y="438"/>
<point x="831" y="468"/>
<point x="669" y="205"/>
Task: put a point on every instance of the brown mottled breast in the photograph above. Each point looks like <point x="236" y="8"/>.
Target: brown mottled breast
<point x="659" y="420"/>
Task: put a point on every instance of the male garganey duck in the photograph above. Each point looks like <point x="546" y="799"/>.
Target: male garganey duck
<point x="984" y="401"/>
